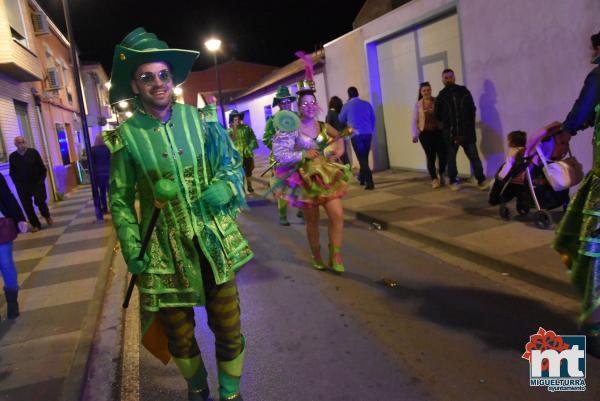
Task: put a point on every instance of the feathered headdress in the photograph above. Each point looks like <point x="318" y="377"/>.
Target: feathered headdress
<point x="308" y="83"/>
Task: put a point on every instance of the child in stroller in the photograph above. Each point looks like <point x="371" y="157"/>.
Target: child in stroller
<point x="522" y="176"/>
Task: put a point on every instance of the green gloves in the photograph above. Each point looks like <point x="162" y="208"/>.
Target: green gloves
<point x="217" y="194"/>
<point x="136" y="266"/>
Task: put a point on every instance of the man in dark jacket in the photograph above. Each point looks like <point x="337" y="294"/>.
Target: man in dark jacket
<point x="582" y="113"/>
<point x="101" y="162"/>
<point x="455" y="109"/>
<point x="28" y="172"/>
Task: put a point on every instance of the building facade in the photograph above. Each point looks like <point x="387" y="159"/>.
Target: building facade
<point x="521" y="77"/>
<point x="235" y="77"/>
<point x="38" y="99"/>
<point x="60" y="113"/>
<point x="95" y="90"/>
<point x="19" y="70"/>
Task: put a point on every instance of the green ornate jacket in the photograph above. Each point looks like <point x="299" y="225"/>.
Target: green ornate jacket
<point x="244" y="140"/>
<point x="267" y="139"/>
<point x="193" y="152"/>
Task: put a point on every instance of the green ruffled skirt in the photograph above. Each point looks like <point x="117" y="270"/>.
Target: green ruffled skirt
<point x="578" y="239"/>
<point x="314" y="183"/>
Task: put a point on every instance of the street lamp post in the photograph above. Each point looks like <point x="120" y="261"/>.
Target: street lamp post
<point x="84" y="125"/>
<point x="213" y="45"/>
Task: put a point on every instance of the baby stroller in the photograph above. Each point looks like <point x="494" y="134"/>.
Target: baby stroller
<point x="529" y="179"/>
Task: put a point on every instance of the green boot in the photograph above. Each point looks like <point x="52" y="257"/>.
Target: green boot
<point x="335" y="259"/>
<point x="316" y="260"/>
<point x="194" y="372"/>
<point x="282" y="208"/>
<point x="230" y="374"/>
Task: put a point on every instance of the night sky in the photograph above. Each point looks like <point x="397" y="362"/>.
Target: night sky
<point x="259" y="31"/>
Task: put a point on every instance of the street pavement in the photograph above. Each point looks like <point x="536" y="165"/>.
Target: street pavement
<point x="460" y="222"/>
<point x="44" y="352"/>
<point x="436" y="306"/>
<point x="404" y="323"/>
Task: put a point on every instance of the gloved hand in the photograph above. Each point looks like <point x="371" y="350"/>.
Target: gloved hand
<point x="136" y="266"/>
<point x="217" y="194"/>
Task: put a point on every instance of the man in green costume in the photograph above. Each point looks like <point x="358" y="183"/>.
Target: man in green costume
<point x="197" y="247"/>
<point x="284" y="100"/>
<point x="245" y="142"/>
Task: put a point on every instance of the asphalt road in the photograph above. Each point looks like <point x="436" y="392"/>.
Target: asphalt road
<point x="436" y="328"/>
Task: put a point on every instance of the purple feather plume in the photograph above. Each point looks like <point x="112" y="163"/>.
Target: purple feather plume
<point x="308" y="64"/>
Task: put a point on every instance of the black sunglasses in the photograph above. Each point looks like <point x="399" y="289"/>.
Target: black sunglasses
<point x="148" y="78"/>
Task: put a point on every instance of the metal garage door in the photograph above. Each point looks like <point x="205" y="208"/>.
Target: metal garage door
<point x="404" y="61"/>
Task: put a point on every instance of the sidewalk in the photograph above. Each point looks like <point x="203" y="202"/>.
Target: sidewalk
<point x="459" y="222"/>
<point x="62" y="270"/>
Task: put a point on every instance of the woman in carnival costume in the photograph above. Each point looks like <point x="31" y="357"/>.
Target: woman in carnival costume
<point x="306" y="174"/>
<point x="578" y="235"/>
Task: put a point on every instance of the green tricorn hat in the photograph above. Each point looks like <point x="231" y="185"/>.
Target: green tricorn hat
<point x="141" y="47"/>
<point x="282" y="93"/>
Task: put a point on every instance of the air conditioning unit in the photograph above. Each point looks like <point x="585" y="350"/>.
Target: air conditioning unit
<point x="40" y="23"/>
<point x="53" y="79"/>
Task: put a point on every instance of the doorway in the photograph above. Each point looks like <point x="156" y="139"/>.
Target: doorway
<point x="418" y="54"/>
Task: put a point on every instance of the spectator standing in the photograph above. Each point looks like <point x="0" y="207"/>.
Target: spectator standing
<point x="455" y="109"/>
<point x="9" y="209"/>
<point x="426" y="129"/>
<point x="333" y="119"/>
<point x="101" y="163"/>
<point x="577" y="234"/>
<point x="359" y="115"/>
<point x="245" y="142"/>
<point x="28" y="172"/>
<point x="582" y="113"/>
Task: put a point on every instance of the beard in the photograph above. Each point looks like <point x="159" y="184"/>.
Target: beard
<point x="155" y="99"/>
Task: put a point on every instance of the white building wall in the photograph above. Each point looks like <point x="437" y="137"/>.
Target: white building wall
<point x="256" y="106"/>
<point x="523" y="61"/>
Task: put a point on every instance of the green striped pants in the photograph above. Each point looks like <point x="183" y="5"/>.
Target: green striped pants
<point x="223" y="312"/>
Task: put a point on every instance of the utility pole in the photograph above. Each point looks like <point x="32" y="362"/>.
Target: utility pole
<point x="84" y="124"/>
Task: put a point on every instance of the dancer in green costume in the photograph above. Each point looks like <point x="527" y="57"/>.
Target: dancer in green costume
<point x="197" y="246"/>
<point x="578" y="235"/>
<point x="284" y="100"/>
<point x="245" y="142"/>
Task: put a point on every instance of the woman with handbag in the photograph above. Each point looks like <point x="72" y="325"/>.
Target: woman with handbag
<point x="12" y="221"/>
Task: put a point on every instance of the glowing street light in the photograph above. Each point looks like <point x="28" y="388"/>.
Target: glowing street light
<point x="123" y="104"/>
<point x="213" y="45"/>
<point x="178" y="91"/>
<point x="128" y="114"/>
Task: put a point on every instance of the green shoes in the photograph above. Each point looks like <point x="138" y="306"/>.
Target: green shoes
<point x="335" y="259"/>
<point x="316" y="260"/>
<point x="194" y="372"/>
<point x="230" y="374"/>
